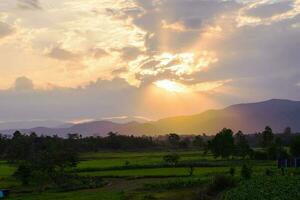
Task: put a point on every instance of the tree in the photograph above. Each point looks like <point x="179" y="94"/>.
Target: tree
<point x="198" y="142"/>
<point x="185" y="143"/>
<point x="275" y="149"/>
<point x="33" y="155"/>
<point x="242" y="147"/>
<point x="223" y="144"/>
<point x="173" y="140"/>
<point x="267" y="137"/>
<point x="287" y="131"/>
<point x="295" y="146"/>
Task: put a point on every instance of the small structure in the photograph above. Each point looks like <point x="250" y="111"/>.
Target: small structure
<point x="4" y="193"/>
<point x="288" y="162"/>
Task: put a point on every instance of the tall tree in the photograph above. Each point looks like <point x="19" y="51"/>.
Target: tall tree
<point x="295" y="146"/>
<point x="222" y="145"/>
<point x="173" y="139"/>
<point x="198" y="142"/>
<point x="287" y="131"/>
<point x="267" y="137"/>
<point x="242" y="147"/>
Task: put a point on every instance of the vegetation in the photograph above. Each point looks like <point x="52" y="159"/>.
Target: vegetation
<point x="264" y="188"/>
<point x="136" y="168"/>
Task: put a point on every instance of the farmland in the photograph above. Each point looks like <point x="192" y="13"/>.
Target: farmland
<point x="116" y="167"/>
<point x="139" y="175"/>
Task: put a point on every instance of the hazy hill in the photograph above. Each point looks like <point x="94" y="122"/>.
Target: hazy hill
<point x="250" y="118"/>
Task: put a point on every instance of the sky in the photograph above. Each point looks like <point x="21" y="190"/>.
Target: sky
<point x="77" y="60"/>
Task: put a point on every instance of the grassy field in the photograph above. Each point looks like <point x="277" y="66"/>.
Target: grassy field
<point x="139" y="176"/>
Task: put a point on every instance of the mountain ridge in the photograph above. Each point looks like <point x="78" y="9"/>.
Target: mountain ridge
<point x="248" y="117"/>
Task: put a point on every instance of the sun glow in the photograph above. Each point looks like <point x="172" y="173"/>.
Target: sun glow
<point x="170" y="86"/>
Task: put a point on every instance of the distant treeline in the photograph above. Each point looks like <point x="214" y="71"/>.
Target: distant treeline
<point x="19" y="145"/>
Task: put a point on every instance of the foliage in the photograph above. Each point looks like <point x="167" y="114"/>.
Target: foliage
<point x="174" y="140"/>
<point x="295" y="147"/>
<point x="223" y="144"/>
<point x="242" y="147"/>
<point x="40" y="159"/>
<point x="266" y="188"/>
<point x="267" y="137"/>
<point x="198" y="142"/>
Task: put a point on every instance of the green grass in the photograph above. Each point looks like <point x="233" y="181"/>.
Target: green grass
<point x="6" y="170"/>
<point x="118" y="159"/>
<point x="164" y="182"/>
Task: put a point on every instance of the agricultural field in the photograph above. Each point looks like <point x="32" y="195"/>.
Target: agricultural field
<point x="143" y="175"/>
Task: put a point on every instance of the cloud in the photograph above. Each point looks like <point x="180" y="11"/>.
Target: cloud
<point x="98" y="53"/>
<point x="29" y="4"/>
<point x="130" y="53"/>
<point x="5" y="29"/>
<point x="23" y="84"/>
<point x="242" y="50"/>
<point x="61" y="54"/>
<point x="119" y="71"/>
<point x="269" y="10"/>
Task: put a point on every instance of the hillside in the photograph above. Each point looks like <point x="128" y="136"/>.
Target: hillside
<point x="250" y="118"/>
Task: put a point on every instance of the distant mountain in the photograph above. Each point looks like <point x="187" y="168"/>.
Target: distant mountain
<point x="250" y="118"/>
<point x="126" y="119"/>
<point x="26" y="124"/>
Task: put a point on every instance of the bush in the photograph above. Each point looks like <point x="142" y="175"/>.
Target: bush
<point x="246" y="171"/>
